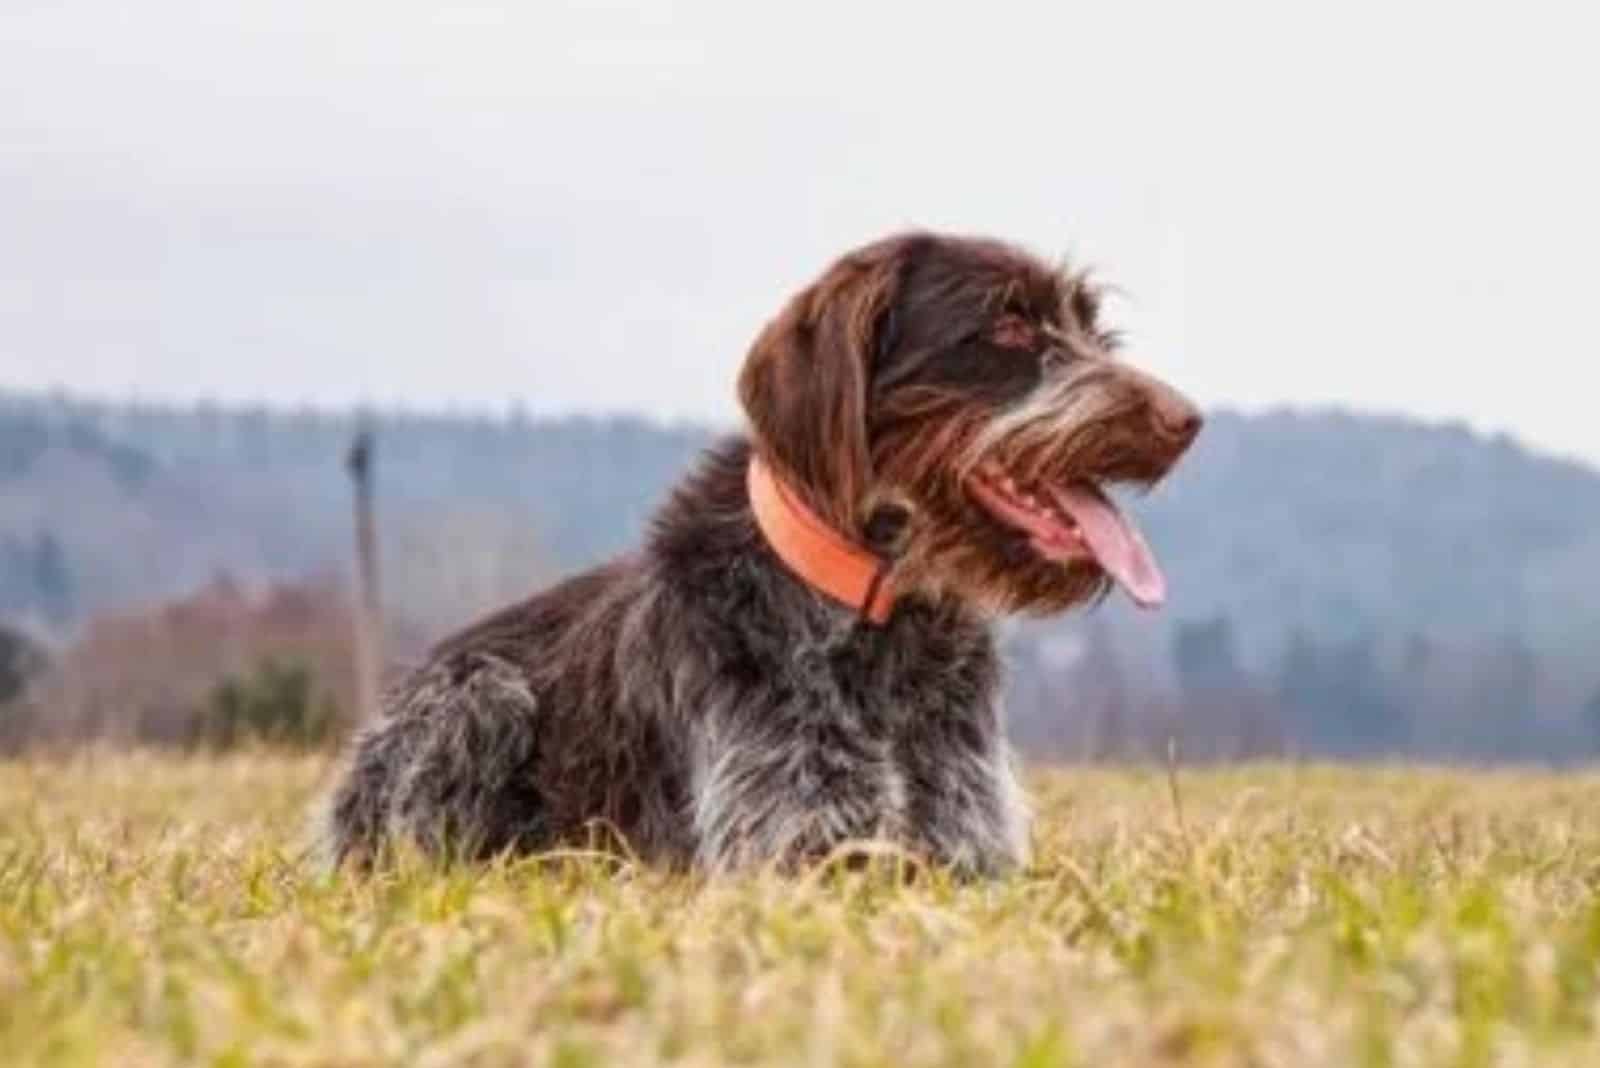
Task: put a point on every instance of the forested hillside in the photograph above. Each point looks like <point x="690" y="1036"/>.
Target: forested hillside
<point x="1341" y="582"/>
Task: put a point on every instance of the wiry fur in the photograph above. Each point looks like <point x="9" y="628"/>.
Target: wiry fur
<point x="700" y="703"/>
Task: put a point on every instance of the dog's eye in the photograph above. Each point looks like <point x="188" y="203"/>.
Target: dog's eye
<point x="1013" y="332"/>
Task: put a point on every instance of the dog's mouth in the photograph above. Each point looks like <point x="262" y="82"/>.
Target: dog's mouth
<point x="1073" y="523"/>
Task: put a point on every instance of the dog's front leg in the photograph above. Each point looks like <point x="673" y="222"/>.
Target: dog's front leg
<point x="790" y="789"/>
<point x="967" y="809"/>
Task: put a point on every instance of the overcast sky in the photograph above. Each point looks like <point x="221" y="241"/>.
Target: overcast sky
<point x="595" y="205"/>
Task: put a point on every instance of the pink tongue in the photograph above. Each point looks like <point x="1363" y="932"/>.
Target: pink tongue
<point x="1116" y="543"/>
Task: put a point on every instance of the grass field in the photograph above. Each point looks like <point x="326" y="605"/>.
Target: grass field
<point x="155" y="911"/>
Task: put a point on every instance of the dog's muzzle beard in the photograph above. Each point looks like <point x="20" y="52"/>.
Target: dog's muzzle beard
<point x="1020" y="521"/>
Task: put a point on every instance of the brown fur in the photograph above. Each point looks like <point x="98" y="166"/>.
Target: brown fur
<point x="707" y="705"/>
<point x="842" y="401"/>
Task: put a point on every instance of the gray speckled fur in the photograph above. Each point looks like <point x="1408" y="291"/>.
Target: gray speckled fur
<point x="701" y="703"/>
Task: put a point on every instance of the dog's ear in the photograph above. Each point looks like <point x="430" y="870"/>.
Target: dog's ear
<point x="805" y="381"/>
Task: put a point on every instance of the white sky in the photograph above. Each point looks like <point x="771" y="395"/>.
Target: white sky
<point x="594" y="205"/>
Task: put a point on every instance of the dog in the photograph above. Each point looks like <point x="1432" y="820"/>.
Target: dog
<point x="800" y="656"/>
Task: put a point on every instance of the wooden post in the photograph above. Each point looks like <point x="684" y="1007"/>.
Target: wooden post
<point x="368" y="618"/>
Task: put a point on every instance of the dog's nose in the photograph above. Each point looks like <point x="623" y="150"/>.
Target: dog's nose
<point x="1175" y="415"/>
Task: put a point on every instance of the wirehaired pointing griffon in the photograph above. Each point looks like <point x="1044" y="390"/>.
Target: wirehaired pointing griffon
<point x="799" y="654"/>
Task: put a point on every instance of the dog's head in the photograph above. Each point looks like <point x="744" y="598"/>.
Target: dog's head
<point x="955" y="405"/>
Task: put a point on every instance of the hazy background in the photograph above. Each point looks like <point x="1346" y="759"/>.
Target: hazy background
<point x="535" y="240"/>
<point x="592" y="206"/>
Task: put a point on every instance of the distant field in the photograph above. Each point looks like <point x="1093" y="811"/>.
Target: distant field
<point x="154" y="911"/>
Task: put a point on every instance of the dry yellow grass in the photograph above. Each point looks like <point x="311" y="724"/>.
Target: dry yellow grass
<point x="155" y="911"/>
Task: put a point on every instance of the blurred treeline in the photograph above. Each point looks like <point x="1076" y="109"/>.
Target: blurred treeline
<point x="1343" y="585"/>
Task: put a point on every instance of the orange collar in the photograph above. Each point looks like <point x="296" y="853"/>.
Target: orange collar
<point x="816" y="553"/>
